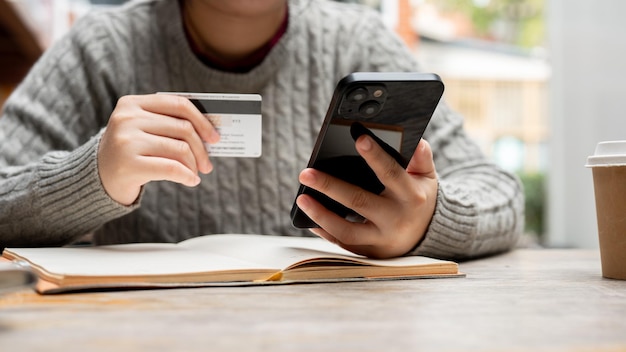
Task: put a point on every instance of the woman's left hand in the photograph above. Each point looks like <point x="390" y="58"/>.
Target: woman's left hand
<point x="397" y="219"/>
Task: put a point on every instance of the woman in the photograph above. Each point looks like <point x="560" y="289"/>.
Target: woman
<point x="87" y="146"/>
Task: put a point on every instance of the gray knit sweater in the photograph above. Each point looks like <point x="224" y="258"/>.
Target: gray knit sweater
<point x="50" y="191"/>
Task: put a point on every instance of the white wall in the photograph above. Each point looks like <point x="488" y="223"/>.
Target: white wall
<point x="587" y="45"/>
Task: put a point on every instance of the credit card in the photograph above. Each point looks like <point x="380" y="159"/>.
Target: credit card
<point x="236" y="117"/>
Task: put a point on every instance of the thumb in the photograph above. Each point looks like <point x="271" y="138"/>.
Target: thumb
<point x="421" y="162"/>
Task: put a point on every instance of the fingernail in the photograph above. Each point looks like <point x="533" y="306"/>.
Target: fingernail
<point x="215" y="136"/>
<point x="366" y="143"/>
<point x="209" y="167"/>
<point x="307" y="178"/>
<point x="303" y="203"/>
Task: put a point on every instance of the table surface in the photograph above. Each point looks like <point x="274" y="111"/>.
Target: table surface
<point x="539" y="299"/>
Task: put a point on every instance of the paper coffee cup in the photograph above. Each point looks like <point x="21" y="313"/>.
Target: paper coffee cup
<point x="608" y="165"/>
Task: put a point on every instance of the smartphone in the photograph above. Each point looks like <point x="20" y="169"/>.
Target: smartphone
<point x="393" y="108"/>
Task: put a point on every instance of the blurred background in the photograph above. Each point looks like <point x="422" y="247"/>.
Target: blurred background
<point x="539" y="83"/>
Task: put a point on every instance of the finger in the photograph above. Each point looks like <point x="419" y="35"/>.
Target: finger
<point x="180" y="107"/>
<point x="180" y="129"/>
<point x="422" y="161"/>
<point x="367" y="204"/>
<point x="366" y="250"/>
<point x="168" y="148"/>
<point x="325" y="235"/>
<point x="336" y="229"/>
<point x="386" y="168"/>
<point x="151" y="168"/>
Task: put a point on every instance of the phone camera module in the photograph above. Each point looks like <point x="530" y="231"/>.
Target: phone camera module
<point x="364" y="101"/>
<point x="369" y="108"/>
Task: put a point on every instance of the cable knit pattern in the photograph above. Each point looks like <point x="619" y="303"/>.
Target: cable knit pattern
<point x="50" y="191"/>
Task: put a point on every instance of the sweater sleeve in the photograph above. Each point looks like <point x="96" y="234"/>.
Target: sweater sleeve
<point x="480" y="207"/>
<point x="50" y="190"/>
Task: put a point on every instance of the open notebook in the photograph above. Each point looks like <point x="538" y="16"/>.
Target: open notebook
<point x="215" y="260"/>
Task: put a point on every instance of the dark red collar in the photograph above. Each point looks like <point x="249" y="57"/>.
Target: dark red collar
<point x="246" y="64"/>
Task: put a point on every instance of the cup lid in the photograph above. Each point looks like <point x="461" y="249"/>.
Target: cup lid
<point x="609" y="153"/>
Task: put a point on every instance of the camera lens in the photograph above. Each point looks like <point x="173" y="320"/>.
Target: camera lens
<point x="358" y="94"/>
<point x="369" y="108"/>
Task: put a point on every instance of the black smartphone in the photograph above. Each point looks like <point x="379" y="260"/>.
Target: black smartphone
<point x="392" y="107"/>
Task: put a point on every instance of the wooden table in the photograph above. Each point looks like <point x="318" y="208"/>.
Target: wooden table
<point x="546" y="300"/>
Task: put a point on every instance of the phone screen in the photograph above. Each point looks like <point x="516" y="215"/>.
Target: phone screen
<point x="393" y="108"/>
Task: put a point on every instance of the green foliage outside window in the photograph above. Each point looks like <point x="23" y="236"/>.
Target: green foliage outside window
<point x="535" y="192"/>
<point x="515" y="22"/>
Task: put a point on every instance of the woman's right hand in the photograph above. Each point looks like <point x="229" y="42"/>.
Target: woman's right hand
<point x="153" y="137"/>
